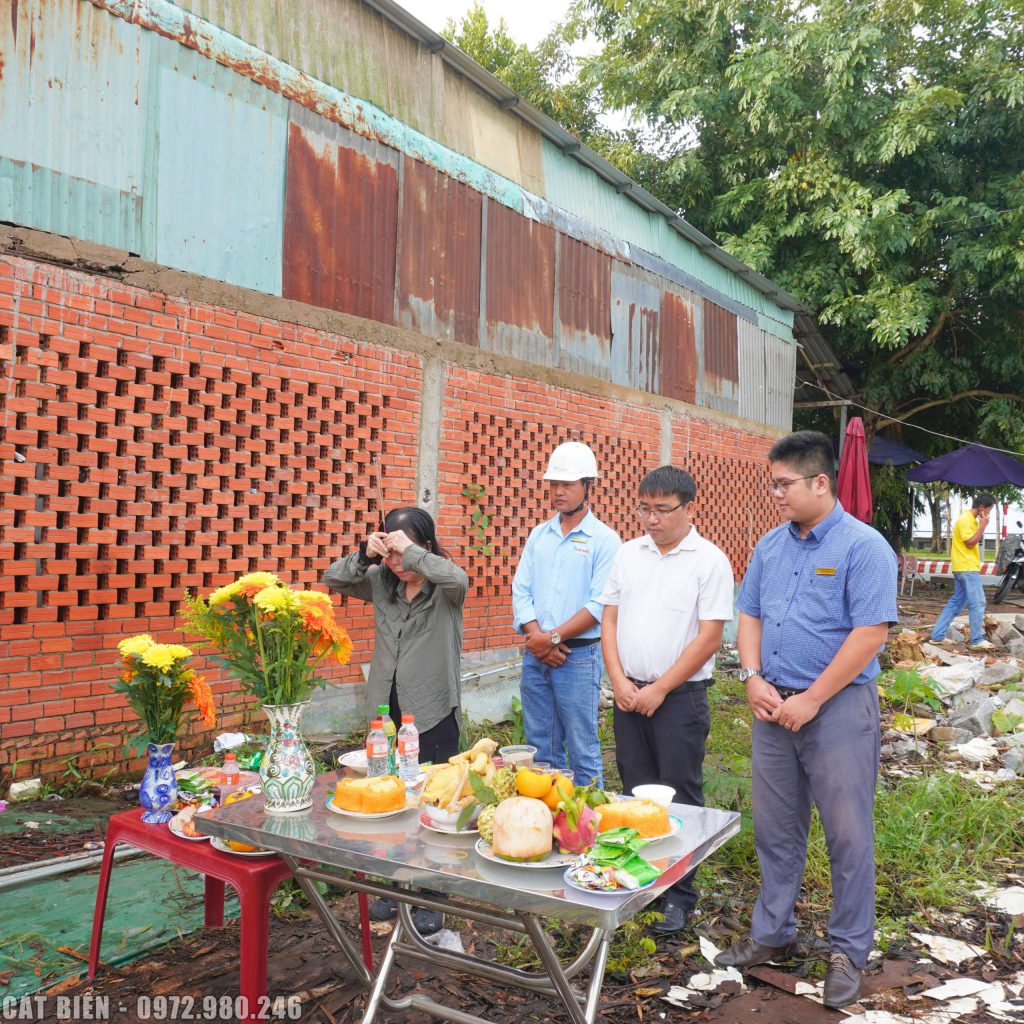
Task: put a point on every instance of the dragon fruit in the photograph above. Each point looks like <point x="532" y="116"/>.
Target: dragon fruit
<point x="575" y="825"/>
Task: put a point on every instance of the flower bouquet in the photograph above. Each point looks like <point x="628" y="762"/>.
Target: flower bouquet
<point x="271" y="639"/>
<point x="158" y="683"/>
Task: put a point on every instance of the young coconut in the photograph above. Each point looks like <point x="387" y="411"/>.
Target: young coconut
<point x="522" y="829"/>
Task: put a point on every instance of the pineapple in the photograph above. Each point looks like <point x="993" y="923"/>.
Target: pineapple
<point x="504" y="783"/>
<point x="485" y="822"/>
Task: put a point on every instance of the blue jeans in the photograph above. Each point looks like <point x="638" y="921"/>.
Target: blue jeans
<point x="560" y="711"/>
<point x="967" y="590"/>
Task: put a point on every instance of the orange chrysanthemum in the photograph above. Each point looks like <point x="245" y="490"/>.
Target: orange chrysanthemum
<point x="202" y="697"/>
<point x="127" y="675"/>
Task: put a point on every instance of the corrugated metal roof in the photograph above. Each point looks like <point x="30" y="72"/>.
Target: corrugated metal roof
<point x="68" y="65"/>
<point x="218" y="172"/>
<point x="750" y="342"/>
<point x="341" y="219"/>
<point x="439" y="255"/>
<point x="780" y="371"/>
<point x="721" y="359"/>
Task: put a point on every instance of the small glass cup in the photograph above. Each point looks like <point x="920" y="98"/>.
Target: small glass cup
<point x="518" y="755"/>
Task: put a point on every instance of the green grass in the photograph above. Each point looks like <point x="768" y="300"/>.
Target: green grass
<point x="936" y="835"/>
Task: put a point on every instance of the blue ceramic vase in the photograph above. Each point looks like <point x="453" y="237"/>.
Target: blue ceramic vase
<point x="159" y="788"/>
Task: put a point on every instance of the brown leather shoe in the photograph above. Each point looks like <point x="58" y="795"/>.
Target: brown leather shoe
<point x="842" y="981"/>
<point x="750" y="953"/>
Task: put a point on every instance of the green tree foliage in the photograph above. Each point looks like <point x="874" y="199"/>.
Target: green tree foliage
<point x="868" y="156"/>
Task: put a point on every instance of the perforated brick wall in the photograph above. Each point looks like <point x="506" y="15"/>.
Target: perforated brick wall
<point x="171" y="444"/>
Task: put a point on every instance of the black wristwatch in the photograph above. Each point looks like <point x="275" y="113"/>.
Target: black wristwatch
<point x="748" y="673"/>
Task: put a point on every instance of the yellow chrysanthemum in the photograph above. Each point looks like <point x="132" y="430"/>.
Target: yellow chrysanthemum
<point x="135" y="644"/>
<point x="314" y="599"/>
<point x="159" y="656"/>
<point x="252" y="583"/>
<point x="223" y="594"/>
<point x="276" y="600"/>
<point x="179" y="652"/>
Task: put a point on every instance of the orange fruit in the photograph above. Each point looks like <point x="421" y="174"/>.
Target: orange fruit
<point x="240" y="847"/>
<point x="561" y="789"/>
<point x="530" y="782"/>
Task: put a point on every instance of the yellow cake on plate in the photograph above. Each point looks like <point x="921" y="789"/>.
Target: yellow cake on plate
<point x="647" y="817"/>
<point x="376" y="795"/>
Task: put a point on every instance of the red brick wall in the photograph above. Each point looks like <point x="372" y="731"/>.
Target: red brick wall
<point x="170" y="444"/>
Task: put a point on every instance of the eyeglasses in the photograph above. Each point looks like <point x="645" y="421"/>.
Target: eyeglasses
<point x="659" y="513"/>
<point x="781" y="486"/>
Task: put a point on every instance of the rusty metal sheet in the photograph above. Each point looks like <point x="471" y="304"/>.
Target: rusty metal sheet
<point x="583" y="326"/>
<point x="721" y="359"/>
<point x="340" y="220"/>
<point x="636" y="328"/>
<point x="751" y="350"/>
<point x="680" y="353"/>
<point x="439" y="255"/>
<point x="779" y="380"/>
<point x="519" y="285"/>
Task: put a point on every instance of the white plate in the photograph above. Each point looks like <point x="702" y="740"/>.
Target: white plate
<point x="410" y="805"/>
<point x="219" y="844"/>
<point x="191" y="839"/>
<point x="446" y="830"/>
<point x="552" y="860"/>
<point x="604" y="892"/>
<point x="354" y="759"/>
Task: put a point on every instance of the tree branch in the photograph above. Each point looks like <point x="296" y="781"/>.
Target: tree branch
<point x="926" y="340"/>
<point x="978" y="393"/>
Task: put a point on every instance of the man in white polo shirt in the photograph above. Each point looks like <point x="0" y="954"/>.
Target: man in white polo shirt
<point x="667" y="600"/>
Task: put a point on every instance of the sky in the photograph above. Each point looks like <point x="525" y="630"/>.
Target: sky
<point x="528" y="20"/>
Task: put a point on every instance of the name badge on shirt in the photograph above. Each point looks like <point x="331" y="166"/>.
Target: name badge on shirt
<point x="579" y="545"/>
<point x="823" y="570"/>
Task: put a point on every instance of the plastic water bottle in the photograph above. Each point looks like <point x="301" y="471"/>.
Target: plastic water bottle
<point x="229" y="775"/>
<point x="376" y="750"/>
<point x="408" y="750"/>
<point x="391" y="732"/>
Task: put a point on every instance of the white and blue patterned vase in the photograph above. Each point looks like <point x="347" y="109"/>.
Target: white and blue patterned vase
<point x="287" y="774"/>
<point x="159" y="788"/>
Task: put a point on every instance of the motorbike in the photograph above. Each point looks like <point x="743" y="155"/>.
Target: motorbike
<point x="1013" y="570"/>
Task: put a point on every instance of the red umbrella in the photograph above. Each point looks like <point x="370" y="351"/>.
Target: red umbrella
<point x="854" y="481"/>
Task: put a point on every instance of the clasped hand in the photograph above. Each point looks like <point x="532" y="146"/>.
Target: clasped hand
<point x="539" y="644"/>
<point x="380" y="545"/>
<point x="768" y="706"/>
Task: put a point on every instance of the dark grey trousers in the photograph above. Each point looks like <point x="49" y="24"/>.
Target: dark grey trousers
<point x="832" y="761"/>
<point x="667" y="748"/>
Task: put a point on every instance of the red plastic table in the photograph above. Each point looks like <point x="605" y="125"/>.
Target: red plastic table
<point x="253" y="878"/>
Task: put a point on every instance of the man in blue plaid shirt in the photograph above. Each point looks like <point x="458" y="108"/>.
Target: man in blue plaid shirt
<point x="815" y="609"/>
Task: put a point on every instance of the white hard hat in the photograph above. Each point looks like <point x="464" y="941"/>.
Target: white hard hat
<point x="571" y="461"/>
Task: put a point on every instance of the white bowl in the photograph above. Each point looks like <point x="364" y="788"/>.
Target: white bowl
<point x="444" y="817"/>
<point x="652" y="791"/>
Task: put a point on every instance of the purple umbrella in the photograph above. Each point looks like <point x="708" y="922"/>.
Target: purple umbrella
<point x="971" y="466"/>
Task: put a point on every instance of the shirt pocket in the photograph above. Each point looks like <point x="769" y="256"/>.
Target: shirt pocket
<point x="825" y="599"/>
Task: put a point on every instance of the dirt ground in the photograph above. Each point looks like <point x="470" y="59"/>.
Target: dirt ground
<point x="308" y="980"/>
<point x="307" y="975"/>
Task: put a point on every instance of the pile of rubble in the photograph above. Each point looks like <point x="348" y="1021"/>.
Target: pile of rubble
<point x="981" y="721"/>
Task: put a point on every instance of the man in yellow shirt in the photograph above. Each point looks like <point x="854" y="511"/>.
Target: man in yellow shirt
<point x="966" y="566"/>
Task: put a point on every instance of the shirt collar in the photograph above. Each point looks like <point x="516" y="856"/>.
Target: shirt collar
<point x="688" y="543"/>
<point x="586" y="525"/>
<point x="819" y="532"/>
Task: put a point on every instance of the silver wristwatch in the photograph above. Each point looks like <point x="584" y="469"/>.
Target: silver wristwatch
<point x="555" y="638"/>
<point x="748" y="673"/>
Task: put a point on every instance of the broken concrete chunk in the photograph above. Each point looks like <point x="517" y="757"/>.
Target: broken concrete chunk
<point x="1016" y="648"/>
<point x="979" y="750"/>
<point x="1006" y="632"/>
<point x="949" y="734"/>
<point x="999" y="672"/>
<point x="1014" y="706"/>
<point x="976" y="718"/>
<point x="27" y="789"/>
<point x="952" y="679"/>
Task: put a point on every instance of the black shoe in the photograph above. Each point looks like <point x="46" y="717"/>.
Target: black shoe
<point x="750" y="953"/>
<point x="383" y="909"/>
<point x="842" y="981"/>
<point x="427" y="922"/>
<point x="676" y="918"/>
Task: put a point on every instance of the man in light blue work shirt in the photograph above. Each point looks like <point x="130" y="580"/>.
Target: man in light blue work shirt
<point x="556" y="606"/>
<point x="815" y="608"/>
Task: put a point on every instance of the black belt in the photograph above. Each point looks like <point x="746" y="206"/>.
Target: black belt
<point x="690" y="684"/>
<point x="787" y="691"/>
<point x="589" y="642"/>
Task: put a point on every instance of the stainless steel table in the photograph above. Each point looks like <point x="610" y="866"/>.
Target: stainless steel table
<point x="321" y="845"/>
